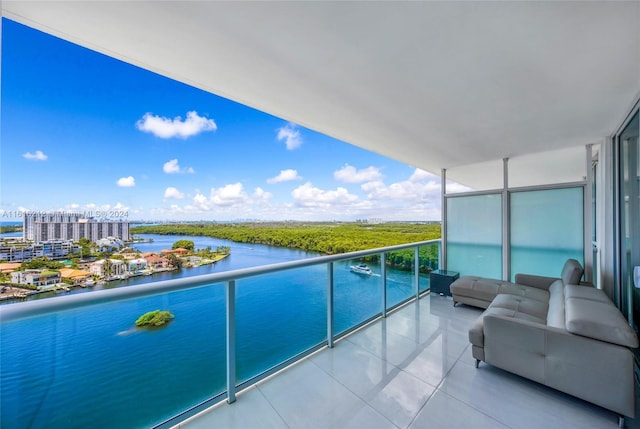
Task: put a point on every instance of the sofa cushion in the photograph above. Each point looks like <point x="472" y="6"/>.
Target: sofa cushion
<point x="521" y="308"/>
<point x="476" y="287"/>
<point x="571" y="272"/>
<point x="523" y="291"/>
<point x="585" y="292"/>
<point x="510" y="306"/>
<point x="600" y="320"/>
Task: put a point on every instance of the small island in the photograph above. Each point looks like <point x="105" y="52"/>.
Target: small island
<point x="154" y="319"/>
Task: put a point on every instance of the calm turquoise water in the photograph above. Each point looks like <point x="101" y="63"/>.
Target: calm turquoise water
<point x="91" y="367"/>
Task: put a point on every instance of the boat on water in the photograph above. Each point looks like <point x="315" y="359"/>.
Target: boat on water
<point x="361" y="269"/>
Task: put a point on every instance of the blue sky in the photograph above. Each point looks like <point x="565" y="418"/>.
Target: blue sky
<point x="82" y="132"/>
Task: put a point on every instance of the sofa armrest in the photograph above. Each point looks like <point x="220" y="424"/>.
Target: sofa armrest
<point x="540" y="282"/>
<point x="516" y="345"/>
<point x="562" y="360"/>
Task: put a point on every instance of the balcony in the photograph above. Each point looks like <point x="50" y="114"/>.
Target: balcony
<point x="322" y="365"/>
<point x="395" y="79"/>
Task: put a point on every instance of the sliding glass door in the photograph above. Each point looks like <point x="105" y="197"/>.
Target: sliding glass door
<point x="630" y="219"/>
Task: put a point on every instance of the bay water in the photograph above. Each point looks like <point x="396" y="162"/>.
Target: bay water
<point x="91" y="367"/>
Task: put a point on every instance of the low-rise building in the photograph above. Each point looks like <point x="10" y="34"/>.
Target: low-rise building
<point x="36" y="277"/>
<point x="137" y="264"/>
<point x="114" y="267"/>
<point x="178" y="252"/>
<point x="109" y="243"/>
<point x="20" y="250"/>
<point x="155" y="261"/>
<point x="74" y="275"/>
<point x="130" y="255"/>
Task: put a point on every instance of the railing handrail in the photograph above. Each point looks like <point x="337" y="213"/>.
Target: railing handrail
<point x="22" y="310"/>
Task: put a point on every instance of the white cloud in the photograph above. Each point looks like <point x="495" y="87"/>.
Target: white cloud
<point x="93" y="209"/>
<point x="126" y="182"/>
<point x="229" y="195"/>
<point x="349" y="174"/>
<point x="174" y="193"/>
<point x="291" y="136"/>
<point x="36" y="156"/>
<point x="200" y="201"/>
<point x="261" y="196"/>
<point x="309" y="196"/>
<point x="421" y="187"/>
<point x="167" y="128"/>
<point x="172" y="167"/>
<point x="285" y="176"/>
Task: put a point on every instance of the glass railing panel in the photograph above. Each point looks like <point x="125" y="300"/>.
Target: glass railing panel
<point x="357" y="293"/>
<point x="278" y="316"/>
<point x="400" y="276"/>
<point x="91" y="367"/>
<point x="429" y="257"/>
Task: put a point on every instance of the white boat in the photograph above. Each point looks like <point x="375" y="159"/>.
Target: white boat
<point x="361" y="269"/>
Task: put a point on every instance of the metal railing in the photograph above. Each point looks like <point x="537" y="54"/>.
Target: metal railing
<point x="36" y="308"/>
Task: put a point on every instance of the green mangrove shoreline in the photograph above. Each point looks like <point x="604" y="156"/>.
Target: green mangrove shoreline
<point x="327" y="238"/>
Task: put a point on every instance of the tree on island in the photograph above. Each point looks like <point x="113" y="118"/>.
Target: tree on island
<point x="155" y="318"/>
<point x="184" y="244"/>
<point x="225" y="250"/>
<point x="174" y="260"/>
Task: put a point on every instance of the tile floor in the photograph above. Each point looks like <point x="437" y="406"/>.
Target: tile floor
<point x="412" y="370"/>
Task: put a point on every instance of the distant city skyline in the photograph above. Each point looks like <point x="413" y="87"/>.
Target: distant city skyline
<point x="82" y="132"/>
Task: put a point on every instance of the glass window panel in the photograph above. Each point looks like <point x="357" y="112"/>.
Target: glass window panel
<point x="630" y="218"/>
<point x="547" y="228"/>
<point x="474" y="235"/>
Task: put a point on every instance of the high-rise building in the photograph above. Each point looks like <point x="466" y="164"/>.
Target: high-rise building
<point x="71" y="226"/>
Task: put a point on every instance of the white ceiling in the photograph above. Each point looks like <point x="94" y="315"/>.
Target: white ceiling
<point x="432" y="84"/>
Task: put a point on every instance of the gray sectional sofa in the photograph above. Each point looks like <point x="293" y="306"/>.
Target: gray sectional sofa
<point x="555" y="331"/>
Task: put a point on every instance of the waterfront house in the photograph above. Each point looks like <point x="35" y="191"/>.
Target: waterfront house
<point x="36" y="277"/>
<point x="531" y="106"/>
<point x="178" y="252"/>
<point x="130" y="255"/>
<point x="137" y="264"/>
<point x="114" y="267"/>
<point x="109" y="243"/>
<point x="155" y="261"/>
<point x="77" y="276"/>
